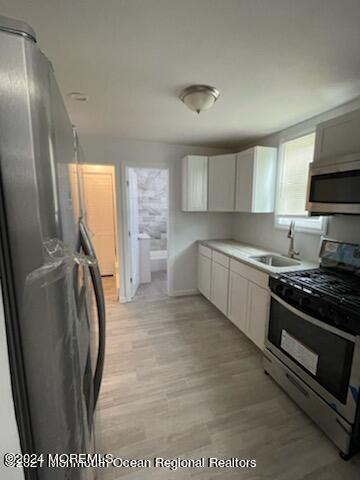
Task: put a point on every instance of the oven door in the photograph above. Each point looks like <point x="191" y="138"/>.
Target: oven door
<point x="321" y="355"/>
<point x="334" y="188"/>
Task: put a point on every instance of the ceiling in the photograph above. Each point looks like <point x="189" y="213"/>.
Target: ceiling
<point x="275" y="62"/>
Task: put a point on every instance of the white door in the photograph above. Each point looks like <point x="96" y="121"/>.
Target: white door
<point x="98" y="192"/>
<point x="133" y="225"/>
<point x="219" y="286"/>
<point x="238" y="297"/>
<point x="258" y="311"/>
<point x="204" y="275"/>
<point x="222" y="183"/>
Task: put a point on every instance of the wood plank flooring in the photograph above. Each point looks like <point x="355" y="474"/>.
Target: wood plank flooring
<point x="157" y="288"/>
<point x="181" y="381"/>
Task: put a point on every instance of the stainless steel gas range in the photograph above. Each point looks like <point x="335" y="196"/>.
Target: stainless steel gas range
<point x="312" y="346"/>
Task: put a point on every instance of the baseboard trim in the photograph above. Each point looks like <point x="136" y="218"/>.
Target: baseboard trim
<point x="182" y="293"/>
<point x="176" y="293"/>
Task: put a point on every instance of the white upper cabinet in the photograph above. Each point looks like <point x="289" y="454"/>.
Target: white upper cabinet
<point x="338" y="139"/>
<point x="222" y="170"/>
<point x="243" y="182"/>
<point x="194" y="183"/>
<point x="255" y="180"/>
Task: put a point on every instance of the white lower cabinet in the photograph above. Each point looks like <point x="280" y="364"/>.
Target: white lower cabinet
<point x="239" y="291"/>
<point x="258" y="312"/>
<point x="237" y="307"/>
<point x="248" y="307"/>
<point x="219" y="286"/>
<point x="204" y="275"/>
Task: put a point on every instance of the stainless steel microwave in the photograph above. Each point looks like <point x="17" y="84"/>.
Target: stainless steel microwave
<point x="334" y="188"/>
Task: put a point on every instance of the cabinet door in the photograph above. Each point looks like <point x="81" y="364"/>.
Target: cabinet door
<point x="264" y="181"/>
<point x="258" y="313"/>
<point x="337" y="138"/>
<point x="244" y="181"/>
<point x="204" y="275"/>
<point x="219" y="286"/>
<point x="195" y="183"/>
<point x="255" y="180"/>
<point x="222" y="183"/>
<point x="237" y="306"/>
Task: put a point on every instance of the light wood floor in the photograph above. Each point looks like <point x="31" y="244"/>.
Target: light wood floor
<point x="157" y="288"/>
<point x="181" y="380"/>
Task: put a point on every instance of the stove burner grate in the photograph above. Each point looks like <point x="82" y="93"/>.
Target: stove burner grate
<point x="344" y="288"/>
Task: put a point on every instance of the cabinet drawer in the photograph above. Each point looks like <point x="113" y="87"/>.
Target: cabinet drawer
<point x="207" y="252"/>
<point x="252" y="274"/>
<point x="221" y="259"/>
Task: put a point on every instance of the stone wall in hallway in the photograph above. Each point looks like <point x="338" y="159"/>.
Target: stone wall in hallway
<point x="152" y="200"/>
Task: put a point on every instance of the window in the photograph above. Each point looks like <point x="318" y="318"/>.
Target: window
<point x="294" y="159"/>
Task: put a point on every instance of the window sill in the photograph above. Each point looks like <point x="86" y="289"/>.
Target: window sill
<point x="311" y="226"/>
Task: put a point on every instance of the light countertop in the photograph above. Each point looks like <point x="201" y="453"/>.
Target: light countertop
<point x="243" y="252"/>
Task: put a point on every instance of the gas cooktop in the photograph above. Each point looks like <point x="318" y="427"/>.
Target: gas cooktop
<point x="325" y="282"/>
<point x="330" y="293"/>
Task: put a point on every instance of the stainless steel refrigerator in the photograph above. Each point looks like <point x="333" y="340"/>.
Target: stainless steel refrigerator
<point x="51" y="283"/>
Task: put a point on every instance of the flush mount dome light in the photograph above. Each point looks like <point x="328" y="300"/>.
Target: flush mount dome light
<point x="199" y="97"/>
<point x="78" y="96"/>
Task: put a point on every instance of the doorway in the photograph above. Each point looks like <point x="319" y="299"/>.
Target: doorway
<point x="148" y="207"/>
<point x="99" y="197"/>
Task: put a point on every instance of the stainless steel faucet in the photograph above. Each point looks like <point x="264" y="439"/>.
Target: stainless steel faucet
<point x="291" y="234"/>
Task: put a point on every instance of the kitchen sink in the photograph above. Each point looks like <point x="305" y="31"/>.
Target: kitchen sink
<point x="275" y="260"/>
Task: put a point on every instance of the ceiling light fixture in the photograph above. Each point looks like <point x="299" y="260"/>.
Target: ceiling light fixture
<point x="199" y="97"/>
<point x="78" y="96"/>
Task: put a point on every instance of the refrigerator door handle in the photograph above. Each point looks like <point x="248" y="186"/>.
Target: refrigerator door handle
<point x="100" y="305"/>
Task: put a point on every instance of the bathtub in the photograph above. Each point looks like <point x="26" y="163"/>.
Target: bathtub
<point x="158" y="260"/>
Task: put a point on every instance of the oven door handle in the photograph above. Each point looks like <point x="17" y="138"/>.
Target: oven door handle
<point x="297" y="384"/>
<point x="313" y="320"/>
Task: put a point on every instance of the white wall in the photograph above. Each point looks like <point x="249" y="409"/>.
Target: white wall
<point x="184" y="228"/>
<point x="259" y="229"/>
<point x="9" y="435"/>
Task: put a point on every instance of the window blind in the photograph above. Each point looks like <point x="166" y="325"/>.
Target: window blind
<point x="294" y="164"/>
